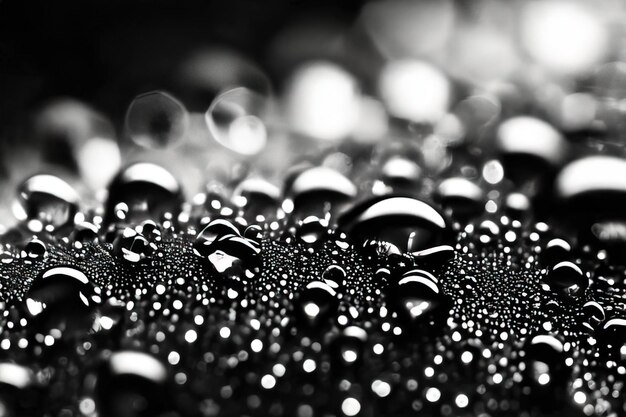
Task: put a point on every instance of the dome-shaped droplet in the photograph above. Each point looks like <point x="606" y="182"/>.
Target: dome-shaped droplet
<point x="394" y="219"/>
<point x="556" y="250"/>
<point x="592" y="192"/>
<point x="593" y="313"/>
<point x="311" y="230"/>
<point x="317" y="303"/>
<point x="85" y="232"/>
<point x="460" y="198"/>
<point x="131" y="384"/>
<point x="204" y="243"/>
<point x="156" y="120"/>
<point x="35" y="249"/>
<point x="568" y="278"/>
<point x="334" y="275"/>
<point x="532" y="150"/>
<point x="319" y="190"/>
<point x="236" y="120"/>
<point x="417" y="298"/>
<point x="48" y="199"/>
<point x="61" y="296"/>
<point x="148" y="190"/>
<point x="254" y="232"/>
<point x="257" y="197"/>
<point x="400" y="174"/>
<point x="132" y="246"/>
<point x="229" y="249"/>
<point x="613" y="337"/>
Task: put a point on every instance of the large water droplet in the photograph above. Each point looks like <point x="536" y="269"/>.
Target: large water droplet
<point x="48" y="199"/>
<point x="395" y="219"/>
<point x="148" y="190"/>
<point x="61" y="297"/>
<point x="319" y="190"/>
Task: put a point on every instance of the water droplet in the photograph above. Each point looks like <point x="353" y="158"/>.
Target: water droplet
<point x="132" y="246"/>
<point x="131" y="384"/>
<point x="156" y="120"/>
<point x="148" y="190"/>
<point x="394" y="219"/>
<point x="317" y="191"/>
<point x="317" y="303"/>
<point x="460" y="198"/>
<point x="61" y="296"/>
<point x="236" y="120"/>
<point x="48" y="199"/>
<point x="568" y="278"/>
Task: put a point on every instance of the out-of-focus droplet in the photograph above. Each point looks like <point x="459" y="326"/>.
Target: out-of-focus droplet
<point x="236" y="120"/>
<point x="556" y="251"/>
<point x="527" y="135"/>
<point x="406" y="28"/>
<point x="61" y="297"/>
<point x="319" y="190"/>
<point x="63" y="126"/>
<point x="347" y="347"/>
<point x="156" y="120"/>
<point x="532" y="151"/>
<point x="48" y="199"/>
<point x="19" y="391"/>
<point x="148" y="190"/>
<point x="317" y="303"/>
<point x="591" y="192"/>
<point x="131" y="384"/>
<point x="400" y="172"/>
<point x="415" y="91"/>
<point x="417" y="298"/>
<point x="578" y="111"/>
<point x="394" y="219"/>
<point x="98" y="160"/>
<point x="323" y="101"/>
<point x="564" y="37"/>
<point x="460" y="198"/>
<point x="256" y="196"/>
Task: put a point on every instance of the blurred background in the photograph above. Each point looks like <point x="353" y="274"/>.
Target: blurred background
<point x="221" y="91"/>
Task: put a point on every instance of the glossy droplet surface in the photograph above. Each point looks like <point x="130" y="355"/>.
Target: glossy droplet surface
<point x="61" y="295"/>
<point x="48" y="199"/>
<point x="148" y="190"/>
<point x="394" y="219"/>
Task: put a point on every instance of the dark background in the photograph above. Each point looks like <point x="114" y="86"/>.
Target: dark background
<point x="104" y="52"/>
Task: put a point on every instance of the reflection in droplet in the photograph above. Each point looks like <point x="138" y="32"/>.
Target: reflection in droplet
<point x="148" y="190"/>
<point x="394" y="219"/>
<point x="46" y="198"/>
